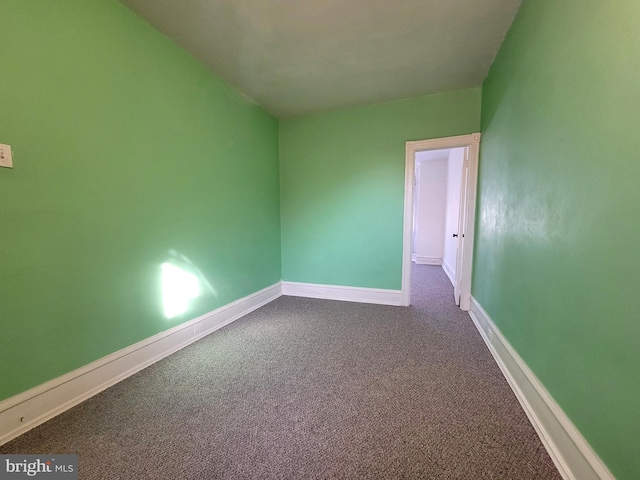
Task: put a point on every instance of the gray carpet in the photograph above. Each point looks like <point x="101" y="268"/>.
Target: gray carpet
<point x="306" y="388"/>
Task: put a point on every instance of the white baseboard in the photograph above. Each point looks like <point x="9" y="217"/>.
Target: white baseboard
<point x="450" y="272"/>
<point x="29" y="409"/>
<point x="347" y="294"/>
<point x="422" y="260"/>
<point x="572" y="455"/>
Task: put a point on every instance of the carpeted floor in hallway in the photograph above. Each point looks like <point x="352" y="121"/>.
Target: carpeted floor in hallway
<point x="312" y="389"/>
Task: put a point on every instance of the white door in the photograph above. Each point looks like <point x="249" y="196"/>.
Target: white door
<point x="416" y="213"/>
<point x="457" y="287"/>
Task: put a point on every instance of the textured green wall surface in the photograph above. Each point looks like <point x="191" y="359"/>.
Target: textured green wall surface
<point x="127" y="153"/>
<point x="342" y="186"/>
<point x="558" y="201"/>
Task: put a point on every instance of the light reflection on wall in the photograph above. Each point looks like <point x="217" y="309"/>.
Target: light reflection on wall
<point x="181" y="283"/>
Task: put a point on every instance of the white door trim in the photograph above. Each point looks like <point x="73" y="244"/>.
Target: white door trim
<point x="471" y="141"/>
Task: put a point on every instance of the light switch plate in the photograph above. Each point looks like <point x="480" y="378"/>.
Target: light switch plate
<point x="6" y="159"/>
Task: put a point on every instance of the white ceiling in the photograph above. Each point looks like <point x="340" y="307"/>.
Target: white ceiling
<point x="295" y="57"/>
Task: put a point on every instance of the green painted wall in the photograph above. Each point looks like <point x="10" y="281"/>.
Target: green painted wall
<point x="556" y="263"/>
<point x="342" y="186"/>
<point x="125" y="148"/>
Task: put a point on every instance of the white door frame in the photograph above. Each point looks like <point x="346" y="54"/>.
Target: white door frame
<point x="471" y="141"/>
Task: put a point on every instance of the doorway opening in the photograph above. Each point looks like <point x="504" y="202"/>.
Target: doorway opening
<point x="463" y="151"/>
<point x="436" y="209"/>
